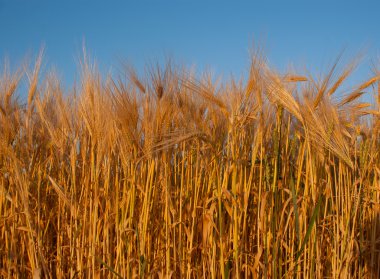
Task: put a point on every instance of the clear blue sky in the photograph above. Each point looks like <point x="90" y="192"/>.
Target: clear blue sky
<point x="208" y="34"/>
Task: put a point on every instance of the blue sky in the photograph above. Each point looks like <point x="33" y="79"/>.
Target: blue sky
<point x="215" y="35"/>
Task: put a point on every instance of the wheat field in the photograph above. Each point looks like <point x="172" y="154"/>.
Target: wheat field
<point x="170" y="174"/>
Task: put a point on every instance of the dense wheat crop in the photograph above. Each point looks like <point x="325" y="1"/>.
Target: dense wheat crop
<point x="173" y="175"/>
